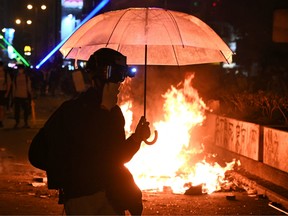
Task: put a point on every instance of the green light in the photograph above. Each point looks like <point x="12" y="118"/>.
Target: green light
<point x="17" y="53"/>
<point x="2" y="46"/>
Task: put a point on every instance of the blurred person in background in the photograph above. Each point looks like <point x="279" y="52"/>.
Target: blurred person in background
<point x="5" y="84"/>
<point x="22" y="94"/>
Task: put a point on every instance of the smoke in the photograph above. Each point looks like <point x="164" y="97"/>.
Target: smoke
<point x="206" y="81"/>
<point x="159" y="80"/>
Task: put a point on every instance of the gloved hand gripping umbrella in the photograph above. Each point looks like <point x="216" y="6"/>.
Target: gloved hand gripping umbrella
<point x="149" y="36"/>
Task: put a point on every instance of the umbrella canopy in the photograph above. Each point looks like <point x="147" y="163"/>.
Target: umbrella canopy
<point x="149" y="36"/>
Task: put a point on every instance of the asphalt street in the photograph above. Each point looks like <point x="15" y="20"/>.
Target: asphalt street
<point x="23" y="189"/>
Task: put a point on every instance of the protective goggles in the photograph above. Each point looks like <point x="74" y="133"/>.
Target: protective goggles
<point x="117" y="73"/>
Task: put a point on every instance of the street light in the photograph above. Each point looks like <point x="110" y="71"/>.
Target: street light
<point x="24" y="32"/>
<point x="30" y="7"/>
<point x="43" y="7"/>
<point x="36" y="26"/>
<point x="18" y="21"/>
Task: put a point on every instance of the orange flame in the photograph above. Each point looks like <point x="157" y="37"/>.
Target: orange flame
<point x="169" y="162"/>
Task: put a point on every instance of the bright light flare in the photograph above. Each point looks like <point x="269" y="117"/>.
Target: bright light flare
<point x="18" y="21"/>
<point x="133" y="69"/>
<point x="29" y="6"/>
<point x="43" y="7"/>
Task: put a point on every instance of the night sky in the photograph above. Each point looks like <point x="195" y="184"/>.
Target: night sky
<point x="252" y="20"/>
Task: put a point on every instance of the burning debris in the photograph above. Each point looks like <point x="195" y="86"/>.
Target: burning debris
<point x="231" y="197"/>
<point x="179" y="152"/>
<point x="194" y="190"/>
<point x="39" y="181"/>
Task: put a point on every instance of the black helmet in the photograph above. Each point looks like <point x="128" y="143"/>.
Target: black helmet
<point x="107" y="65"/>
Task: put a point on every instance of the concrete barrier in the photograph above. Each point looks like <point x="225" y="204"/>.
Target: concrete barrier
<point x="237" y="136"/>
<point x="275" y="148"/>
<point x="261" y="150"/>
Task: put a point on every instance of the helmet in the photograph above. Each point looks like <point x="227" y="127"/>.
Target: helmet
<point x="107" y="65"/>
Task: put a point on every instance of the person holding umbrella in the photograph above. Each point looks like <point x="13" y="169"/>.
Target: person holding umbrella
<point x="91" y="147"/>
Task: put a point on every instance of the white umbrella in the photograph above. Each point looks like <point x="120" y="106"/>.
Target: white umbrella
<point x="149" y="36"/>
<point x="171" y="38"/>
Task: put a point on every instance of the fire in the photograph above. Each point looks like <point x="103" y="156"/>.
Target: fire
<point x="170" y="162"/>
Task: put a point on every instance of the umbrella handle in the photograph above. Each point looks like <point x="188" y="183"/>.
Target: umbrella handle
<point x="154" y="140"/>
<point x="145" y="84"/>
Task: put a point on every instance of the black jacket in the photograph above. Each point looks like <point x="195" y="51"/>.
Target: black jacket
<point x="89" y="150"/>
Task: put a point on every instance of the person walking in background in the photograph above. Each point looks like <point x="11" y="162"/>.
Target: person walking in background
<point x="5" y="84"/>
<point x="10" y="76"/>
<point x="21" y="95"/>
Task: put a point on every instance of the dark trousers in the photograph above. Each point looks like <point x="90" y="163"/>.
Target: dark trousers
<point x="24" y="104"/>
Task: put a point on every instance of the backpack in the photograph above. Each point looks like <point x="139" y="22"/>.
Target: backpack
<point x="37" y="153"/>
